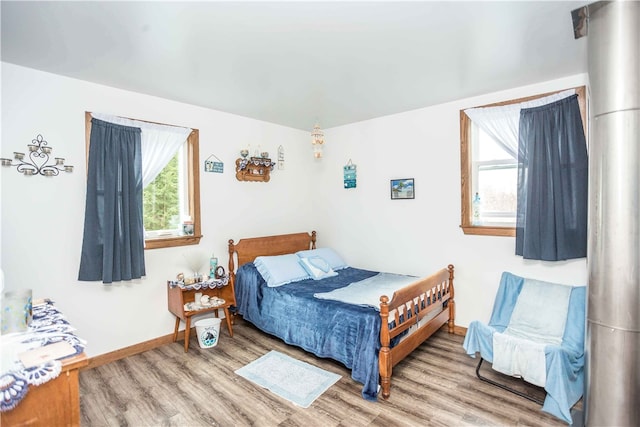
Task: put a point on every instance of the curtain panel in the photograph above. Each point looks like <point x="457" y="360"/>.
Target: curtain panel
<point x="552" y="182"/>
<point x="502" y="122"/>
<point x="113" y="242"/>
<point x="159" y="143"/>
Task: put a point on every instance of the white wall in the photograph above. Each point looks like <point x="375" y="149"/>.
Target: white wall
<point x="42" y="218"/>
<point x="421" y="235"/>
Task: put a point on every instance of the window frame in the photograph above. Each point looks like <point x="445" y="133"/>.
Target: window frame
<point x="193" y="192"/>
<point x="466" y="164"/>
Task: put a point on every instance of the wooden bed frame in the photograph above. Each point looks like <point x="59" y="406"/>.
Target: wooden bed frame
<point x="406" y="299"/>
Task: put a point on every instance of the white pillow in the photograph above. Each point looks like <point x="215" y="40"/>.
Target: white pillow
<point x="279" y="270"/>
<point x="335" y="261"/>
<point x="317" y="267"/>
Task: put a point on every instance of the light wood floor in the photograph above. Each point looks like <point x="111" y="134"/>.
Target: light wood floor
<point x="435" y="386"/>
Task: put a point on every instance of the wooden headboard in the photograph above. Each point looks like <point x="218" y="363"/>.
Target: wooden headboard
<point x="248" y="249"/>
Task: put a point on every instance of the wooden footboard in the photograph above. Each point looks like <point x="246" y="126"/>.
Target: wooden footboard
<point x="424" y="306"/>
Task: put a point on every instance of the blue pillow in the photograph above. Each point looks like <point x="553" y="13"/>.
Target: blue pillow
<point x="335" y="261"/>
<point x="279" y="270"/>
<point x="317" y="267"/>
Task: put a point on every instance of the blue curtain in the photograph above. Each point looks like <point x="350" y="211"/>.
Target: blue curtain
<point x="113" y="243"/>
<point x="552" y="182"/>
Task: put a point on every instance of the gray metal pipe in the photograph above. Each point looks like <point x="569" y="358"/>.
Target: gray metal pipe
<point x="612" y="363"/>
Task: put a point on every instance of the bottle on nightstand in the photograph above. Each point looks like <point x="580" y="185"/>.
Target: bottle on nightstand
<point x="213" y="263"/>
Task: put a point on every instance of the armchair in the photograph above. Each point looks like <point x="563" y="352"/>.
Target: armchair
<point x="536" y="332"/>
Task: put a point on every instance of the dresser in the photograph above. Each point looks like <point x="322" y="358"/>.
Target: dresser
<point x="54" y="403"/>
<point x="50" y="399"/>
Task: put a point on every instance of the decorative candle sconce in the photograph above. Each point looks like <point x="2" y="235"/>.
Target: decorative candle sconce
<point x="37" y="161"/>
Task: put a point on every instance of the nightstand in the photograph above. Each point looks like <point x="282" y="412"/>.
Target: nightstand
<point x="178" y="295"/>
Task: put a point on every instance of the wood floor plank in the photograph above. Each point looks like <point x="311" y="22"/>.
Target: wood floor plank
<point x="434" y="386"/>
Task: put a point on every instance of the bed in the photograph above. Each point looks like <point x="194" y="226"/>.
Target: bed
<point x="369" y="341"/>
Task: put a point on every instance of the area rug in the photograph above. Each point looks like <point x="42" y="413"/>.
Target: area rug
<point x="296" y="381"/>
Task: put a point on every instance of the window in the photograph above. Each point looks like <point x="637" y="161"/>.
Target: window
<point x="172" y="197"/>
<point x="489" y="171"/>
<point x="494" y="179"/>
<point x="162" y="207"/>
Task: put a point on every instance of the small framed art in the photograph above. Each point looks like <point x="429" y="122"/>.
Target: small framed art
<point x="213" y="165"/>
<point x="402" y="189"/>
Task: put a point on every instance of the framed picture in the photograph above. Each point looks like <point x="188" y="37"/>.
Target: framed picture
<point x="402" y="189"/>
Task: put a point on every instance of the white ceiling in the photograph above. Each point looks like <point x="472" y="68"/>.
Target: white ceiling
<point x="295" y="63"/>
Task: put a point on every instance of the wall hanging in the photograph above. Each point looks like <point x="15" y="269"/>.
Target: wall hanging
<point x="402" y="189"/>
<point x="37" y="162"/>
<point x="254" y="168"/>
<point x="280" y="157"/>
<point x="213" y="165"/>
<point x="317" y="141"/>
<point x="349" y="175"/>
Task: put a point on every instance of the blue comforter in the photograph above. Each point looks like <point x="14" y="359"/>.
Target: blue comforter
<point x="343" y="332"/>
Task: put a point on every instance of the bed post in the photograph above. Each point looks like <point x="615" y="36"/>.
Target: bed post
<point x="384" y="356"/>
<point x="451" y="303"/>
<point x="232" y="249"/>
<point x="232" y="277"/>
<point x="313" y="239"/>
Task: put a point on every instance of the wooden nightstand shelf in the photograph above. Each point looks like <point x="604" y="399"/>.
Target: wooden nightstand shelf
<point x="178" y="297"/>
<point x="254" y="169"/>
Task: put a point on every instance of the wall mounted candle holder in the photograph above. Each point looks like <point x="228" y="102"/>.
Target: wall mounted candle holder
<point x="37" y="160"/>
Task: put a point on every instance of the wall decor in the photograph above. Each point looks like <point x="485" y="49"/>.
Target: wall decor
<point x="280" y="158"/>
<point x="37" y="162"/>
<point x="254" y="169"/>
<point x="349" y="171"/>
<point x="402" y="189"/>
<point x="317" y="141"/>
<point x="212" y="165"/>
